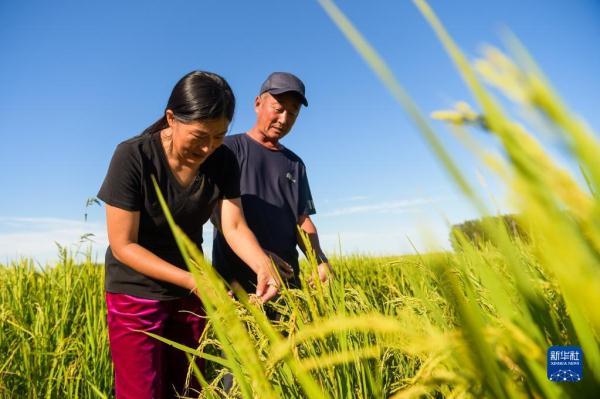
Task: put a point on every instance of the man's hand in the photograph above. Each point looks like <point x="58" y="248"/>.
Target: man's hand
<point x="325" y="271"/>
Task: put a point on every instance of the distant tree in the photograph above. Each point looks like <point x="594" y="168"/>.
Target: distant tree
<point x="476" y="232"/>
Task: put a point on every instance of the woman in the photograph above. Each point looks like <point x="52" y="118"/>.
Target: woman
<point x="147" y="283"/>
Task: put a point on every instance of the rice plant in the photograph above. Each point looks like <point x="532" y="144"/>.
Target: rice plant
<point x="53" y="340"/>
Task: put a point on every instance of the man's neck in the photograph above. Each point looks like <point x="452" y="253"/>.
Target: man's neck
<point x="260" y="138"/>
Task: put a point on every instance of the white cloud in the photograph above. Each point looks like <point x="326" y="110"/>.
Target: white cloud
<point x="400" y="206"/>
<point x="37" y="237"/>
<point x="355" y="198"/>
<point x="432" y="236"/>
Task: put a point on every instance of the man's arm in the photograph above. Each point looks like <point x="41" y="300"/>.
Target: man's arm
<point x="305" y="223"/>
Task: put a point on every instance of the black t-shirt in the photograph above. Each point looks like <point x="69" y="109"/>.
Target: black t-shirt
<point x="275" y="192"/>
<point x="128" y="186"/>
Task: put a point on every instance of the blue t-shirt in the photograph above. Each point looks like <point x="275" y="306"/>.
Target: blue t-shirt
<point x="275" y="193"/>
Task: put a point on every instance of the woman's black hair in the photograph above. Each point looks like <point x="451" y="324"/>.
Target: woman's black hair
<point x="198" y="96"/>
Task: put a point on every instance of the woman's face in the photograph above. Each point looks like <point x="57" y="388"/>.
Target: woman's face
<point x="194" y="141"/>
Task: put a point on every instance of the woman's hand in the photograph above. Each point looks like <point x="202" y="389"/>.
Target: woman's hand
<point x="268" y="282"/>
<point x="269" y="277"/>
<point x="190" y="284"/>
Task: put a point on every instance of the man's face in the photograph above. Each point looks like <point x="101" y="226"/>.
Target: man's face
<point x="276" y="114"/>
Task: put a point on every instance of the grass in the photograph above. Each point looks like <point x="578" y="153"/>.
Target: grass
<point x="475" y="323"/>
<point x="53" y="338"/>
<point x="386" y="326"/>
<point x="54" y="332"/>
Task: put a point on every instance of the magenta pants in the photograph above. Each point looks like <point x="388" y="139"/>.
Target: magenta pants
<point x="146" y="368"/>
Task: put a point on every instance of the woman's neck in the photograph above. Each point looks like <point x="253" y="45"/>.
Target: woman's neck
<point x="184" y="172"/>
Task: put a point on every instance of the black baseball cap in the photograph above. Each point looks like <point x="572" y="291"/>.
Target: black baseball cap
<point x="282" y="82"/>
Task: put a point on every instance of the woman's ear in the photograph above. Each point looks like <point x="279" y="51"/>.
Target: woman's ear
<point x="170" y="117"/>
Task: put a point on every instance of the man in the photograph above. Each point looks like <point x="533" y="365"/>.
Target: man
<point x="275" y="194"/>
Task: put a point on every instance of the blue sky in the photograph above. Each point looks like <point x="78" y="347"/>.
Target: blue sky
<point x="78" y="77"/>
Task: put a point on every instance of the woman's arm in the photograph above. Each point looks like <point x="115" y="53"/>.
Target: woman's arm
<point x="123" y="228"/>
<point x="243" y="242"/>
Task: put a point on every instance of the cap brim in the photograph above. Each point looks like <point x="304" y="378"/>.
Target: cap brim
<point x="281" y="91"/>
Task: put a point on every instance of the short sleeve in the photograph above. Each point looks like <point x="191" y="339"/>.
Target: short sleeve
<point x="122" y="185"/>
<point x="230" y="178"/>
<point x="306" y="206"/>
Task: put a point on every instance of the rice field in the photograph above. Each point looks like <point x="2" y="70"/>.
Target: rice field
<point x="55" y="340"/>
<point x="475" y="323"/>
<point x="433" y="325"/>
